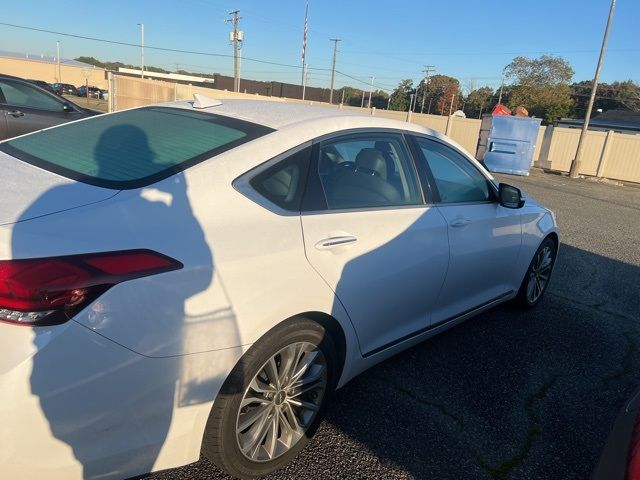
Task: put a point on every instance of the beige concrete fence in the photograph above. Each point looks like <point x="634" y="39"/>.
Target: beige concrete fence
<point x="607" y="154"/>
<point x="36" y="69"/>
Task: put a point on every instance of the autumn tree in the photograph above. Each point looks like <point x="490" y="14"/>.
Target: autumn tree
<point x="541" y="85"/>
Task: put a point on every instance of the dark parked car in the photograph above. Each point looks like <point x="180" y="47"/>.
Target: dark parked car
<point x="64" y="89"/>
<point x="94" y="92"/>
<point x="25" y="107"/>
<point x="42" y="84"/>
<point x="620" y="458"/>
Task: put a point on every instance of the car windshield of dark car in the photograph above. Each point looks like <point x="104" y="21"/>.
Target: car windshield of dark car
<point x="132" y="148"/>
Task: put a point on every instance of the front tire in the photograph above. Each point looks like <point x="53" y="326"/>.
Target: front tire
<point x="273" y="401"/>
<point x="538" y="275"/>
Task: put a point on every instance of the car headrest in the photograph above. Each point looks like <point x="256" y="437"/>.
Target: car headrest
<point x="384" y="147"/>
<point x="371" y="161"/>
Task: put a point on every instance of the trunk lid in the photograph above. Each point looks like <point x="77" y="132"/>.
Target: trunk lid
<point x="29" y="191"/>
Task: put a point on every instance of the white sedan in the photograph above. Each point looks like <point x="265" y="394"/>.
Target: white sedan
<point x="201" y="276"/>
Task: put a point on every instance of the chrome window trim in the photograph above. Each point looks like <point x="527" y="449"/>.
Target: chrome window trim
<point x="367" y="209"/>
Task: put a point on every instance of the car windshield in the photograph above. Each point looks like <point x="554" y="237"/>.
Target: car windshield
<point x="132" y="148"/>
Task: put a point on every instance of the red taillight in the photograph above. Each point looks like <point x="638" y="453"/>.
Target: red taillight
<point x="45" y="291"/>
<point x="633" y="464"/>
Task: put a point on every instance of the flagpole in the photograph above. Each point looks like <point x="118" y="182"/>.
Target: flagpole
<point x="304" y="46"/>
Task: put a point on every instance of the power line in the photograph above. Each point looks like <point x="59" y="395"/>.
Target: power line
<point x="148" y="47"/>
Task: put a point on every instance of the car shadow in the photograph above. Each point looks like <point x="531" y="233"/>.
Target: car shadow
<point x="507" y="394"/>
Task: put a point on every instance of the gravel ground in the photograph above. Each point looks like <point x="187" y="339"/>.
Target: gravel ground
<point x="508" y="394"/>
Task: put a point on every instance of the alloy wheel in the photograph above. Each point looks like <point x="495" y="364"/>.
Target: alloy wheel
<point x="539" y="274"/>
<point x="281" y="402"/>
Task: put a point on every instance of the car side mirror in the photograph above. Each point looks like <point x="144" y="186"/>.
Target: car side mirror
<point x="510" y="196"/>
<point x="67" y="108"/>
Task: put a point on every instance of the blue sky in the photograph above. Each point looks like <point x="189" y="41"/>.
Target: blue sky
<point x="390" y="40"/>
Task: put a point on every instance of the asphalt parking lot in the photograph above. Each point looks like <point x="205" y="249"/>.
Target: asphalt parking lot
<point x="508" y="394"/>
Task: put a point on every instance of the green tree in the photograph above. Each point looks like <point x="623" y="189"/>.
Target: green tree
<point x="541" y="85"/>
<point x="609" y="96"/>
<point x="379" y="99"/>
<point x="478" y="101"/>
<point x="401" y="95"/>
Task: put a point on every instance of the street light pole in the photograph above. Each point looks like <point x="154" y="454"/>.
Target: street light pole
<point x="576" y="163"/>
<point x="141" y="50"/>
<point x="58" y="59"/>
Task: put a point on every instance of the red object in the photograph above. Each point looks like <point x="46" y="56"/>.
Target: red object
<point x="633" y="466"/>
<point x="500" y="109"/>
<point x="45" y="291"/>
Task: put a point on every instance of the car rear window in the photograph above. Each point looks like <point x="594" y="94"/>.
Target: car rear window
<point x="132" y="148"/>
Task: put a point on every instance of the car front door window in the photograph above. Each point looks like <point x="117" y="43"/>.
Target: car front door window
<point x="456" y="179"/>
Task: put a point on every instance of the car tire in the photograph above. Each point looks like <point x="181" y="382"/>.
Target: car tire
<point x="249" y="392"/>
<point x="536" y="280"/>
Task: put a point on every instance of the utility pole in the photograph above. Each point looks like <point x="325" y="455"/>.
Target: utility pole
<point x="501" y="87"/>
<point x="362" y="102"/>
<point x="333" y="69"/>
<point x="451" y="105"/>
<point x="575" y="164"/>
<point x="236" y="38"/>
<point x="305" y="79"/>
<point x="141" y="50"/>
<point x="388" y="102"/>
<point x="58" y="58"/>
<point x="370" y="91"/>
<point x="427" y="69"/>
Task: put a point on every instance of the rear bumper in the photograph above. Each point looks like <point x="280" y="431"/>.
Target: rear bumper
<point x="74" y="404"/>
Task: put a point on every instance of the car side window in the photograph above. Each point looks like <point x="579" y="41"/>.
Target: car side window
<point x="367" y="170"/>
<point x="457" y="179"/>
<point x="17" y="94"/>
<point x="283" y="183"/>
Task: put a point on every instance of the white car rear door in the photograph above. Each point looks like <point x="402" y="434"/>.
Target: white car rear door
<point x="372" y="238"/>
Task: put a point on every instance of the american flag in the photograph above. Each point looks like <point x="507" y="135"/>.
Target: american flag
<point x="304" y="37"/>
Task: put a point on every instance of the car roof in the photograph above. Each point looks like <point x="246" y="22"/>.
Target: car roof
<point x="284" y="115"/>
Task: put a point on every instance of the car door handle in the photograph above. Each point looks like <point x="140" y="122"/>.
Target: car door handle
<point x="333" y="242"/>
<point x="460" y="222"/>
<point x="15" y="113"/>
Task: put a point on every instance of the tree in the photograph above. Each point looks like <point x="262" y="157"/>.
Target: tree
<point x="478" y="101"/>
<point x="609" y="96"/>
<point x="541" y="85"/>
<point x="401" y="95"/>
<point x="379" y="99"/>
<point x="438" y="93"/>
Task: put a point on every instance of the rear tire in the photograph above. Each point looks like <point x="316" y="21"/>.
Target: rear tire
<point x="538" y="275"/>
<point x="273" y="401"/>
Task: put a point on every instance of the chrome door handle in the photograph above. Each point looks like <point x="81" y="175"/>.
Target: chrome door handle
<point x="15" y="113"/>
<point x="460" y="222"/>
<point x="333" y="242"/>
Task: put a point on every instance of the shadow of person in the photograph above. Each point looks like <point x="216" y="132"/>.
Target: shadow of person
<point x="114" y="405"/>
